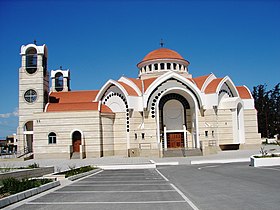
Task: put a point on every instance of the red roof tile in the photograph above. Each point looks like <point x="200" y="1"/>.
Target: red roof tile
<point x="137" y="82"/>
<point x="162" y="53"/>
<point x="199" y="81"/>
<point x="65" y="107"/>
<point x="74" y="101"/>
<point x="85" y="106"/>
<point x="148" y="82"/>
<point x="73" y="96"/>
<point x="128" y="89"/>
<point x="212" y="86"/>
<point x="243" y="92"/>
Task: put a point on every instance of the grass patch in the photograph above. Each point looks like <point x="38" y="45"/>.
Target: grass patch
<point x="75" y="171"/>
<point x="12" y="186"/>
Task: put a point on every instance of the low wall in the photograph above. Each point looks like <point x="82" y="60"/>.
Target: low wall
<point x="268" y="161"/>
<point x="28" y="173"/>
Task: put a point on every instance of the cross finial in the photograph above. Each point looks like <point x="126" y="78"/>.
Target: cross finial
<point x="161" y="43"/>
<point x="35" y="41"/>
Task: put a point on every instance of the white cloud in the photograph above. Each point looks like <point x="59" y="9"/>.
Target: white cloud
<point x="10" y="114"/>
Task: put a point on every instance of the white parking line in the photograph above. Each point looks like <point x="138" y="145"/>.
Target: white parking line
<point x="194" y="207"/>
<point x="86" y="185"/>
<point x="162" y="175"/>
<point x="214" y="166"/>
<point x="114" y="191"/>
<point x="133" y="181"/>
<point x="274" y="169"/>
<point x="113" y="202"/>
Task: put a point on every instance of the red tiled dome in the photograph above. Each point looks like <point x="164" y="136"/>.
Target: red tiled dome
<point x="162" y="53"/>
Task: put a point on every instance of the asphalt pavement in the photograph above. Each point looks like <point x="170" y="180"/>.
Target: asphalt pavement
<point x="114" y="189"/>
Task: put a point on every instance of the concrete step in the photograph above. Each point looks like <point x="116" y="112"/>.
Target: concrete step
<point x="182" y="152"/>
<point x="75" y="155"/>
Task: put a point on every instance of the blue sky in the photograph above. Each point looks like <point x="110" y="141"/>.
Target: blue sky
<point x="101" y="40"/>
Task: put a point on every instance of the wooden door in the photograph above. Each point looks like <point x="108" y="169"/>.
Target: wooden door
<point x="175" y="140"/>
<point x="76" y="145"/>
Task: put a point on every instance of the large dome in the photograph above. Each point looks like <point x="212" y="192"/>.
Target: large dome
<point x="160" y="61"/>
<point x="162" y="53"/>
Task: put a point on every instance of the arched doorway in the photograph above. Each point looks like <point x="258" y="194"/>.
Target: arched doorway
<point x="28" y="136"/>
<point x="76" y="141"/>
<point x="174" y="112"/>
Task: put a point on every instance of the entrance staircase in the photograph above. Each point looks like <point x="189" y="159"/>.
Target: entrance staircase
<point x="75" y="155"/>
<point x="181" y="152"/>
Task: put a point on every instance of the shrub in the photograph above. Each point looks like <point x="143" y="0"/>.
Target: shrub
<point x="12" y="185"/>
<point x="34" y="165"/>
<point x="75" y="171"/>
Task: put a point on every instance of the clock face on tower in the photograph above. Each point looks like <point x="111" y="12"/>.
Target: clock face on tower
<point x="30" y="96"/>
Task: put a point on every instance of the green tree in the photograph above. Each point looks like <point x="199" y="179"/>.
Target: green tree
<point x="267" y="103"/>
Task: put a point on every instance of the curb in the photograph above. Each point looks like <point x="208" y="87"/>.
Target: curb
<point x="128" y="166"/>
<point x="26" y="194"/>
<point x="239" y="160"/>
<point x="78" y="176"/>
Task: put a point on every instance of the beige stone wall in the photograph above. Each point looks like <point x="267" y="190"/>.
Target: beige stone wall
<point x="225" y="127"/>
<point x="37" y="82"/>
<point x="120" y="135"/>
<point x="208" y="121"/>
<point x="63" y="124"/>
<point x="107" y="135"/>
<point x="148" y="145"/>
<point x="251" y="127"/>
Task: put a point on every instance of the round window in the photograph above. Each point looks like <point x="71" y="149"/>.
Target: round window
<point x="30" y="96"/>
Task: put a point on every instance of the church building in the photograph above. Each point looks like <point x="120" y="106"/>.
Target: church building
<point x="165" y="111"/>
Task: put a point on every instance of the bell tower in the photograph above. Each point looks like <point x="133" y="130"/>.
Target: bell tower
<point x="60" y="80"/>
<point x="33" y="90"/>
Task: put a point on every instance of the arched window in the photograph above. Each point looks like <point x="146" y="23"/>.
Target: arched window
<point x="45" y="65"/>
<point x="162" y="66"/>
<point x="28" y="126"/>
<point x="150" y="67"/>
<point x="156" y="66"/>
<point x="168" y="65"/>
<point x="31" y="60"/>
<point x="52" y="138"/>
<point x="76" y="141"/>
<point x="59" y="81"/>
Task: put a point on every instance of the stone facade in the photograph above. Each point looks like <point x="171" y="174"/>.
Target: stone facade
<point x="164" y="109"/>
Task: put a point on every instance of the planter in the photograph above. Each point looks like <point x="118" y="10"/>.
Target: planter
<point x="26" y="194"/>
<point x="28" y="173"/>
<point x="264" y="161"/>
<point x="61" y="177"/>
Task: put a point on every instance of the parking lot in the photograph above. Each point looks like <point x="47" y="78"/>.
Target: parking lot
<point x="235" y="186"/>
<point x="115" y="189"/>
<point x="207" y="186"/>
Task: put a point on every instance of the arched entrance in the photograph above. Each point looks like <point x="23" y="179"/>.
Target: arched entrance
<point x="175" y="119"/>
<point x="76" y="141"/>
<point x="28" y="136"/>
